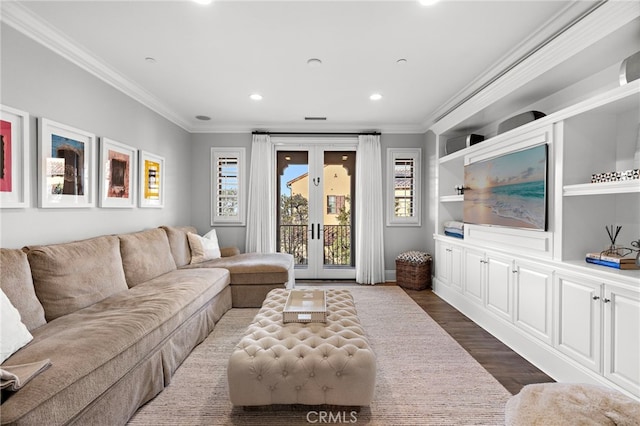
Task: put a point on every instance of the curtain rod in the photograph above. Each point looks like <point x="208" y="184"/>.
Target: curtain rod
<point x="316" y="133"/>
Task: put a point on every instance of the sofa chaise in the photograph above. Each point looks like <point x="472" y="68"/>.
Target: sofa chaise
<point x="116" y="315"/>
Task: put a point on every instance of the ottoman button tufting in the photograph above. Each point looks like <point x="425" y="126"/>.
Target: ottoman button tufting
<point x="268" y="341"/>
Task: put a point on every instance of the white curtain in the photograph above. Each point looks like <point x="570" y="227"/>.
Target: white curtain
<point x="261" y="221"/>
<point x="369" y="208"/>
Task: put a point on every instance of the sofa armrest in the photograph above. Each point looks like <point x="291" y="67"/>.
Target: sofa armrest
<point x="229" y="251"/>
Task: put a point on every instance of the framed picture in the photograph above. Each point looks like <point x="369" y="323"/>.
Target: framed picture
<point x="14" y="158"/>
<point x="152" y="174"/>
<point x="66" y="158"/>
<point x="118" y="166"/>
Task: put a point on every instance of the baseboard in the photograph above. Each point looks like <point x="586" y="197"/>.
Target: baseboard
<point x="390" y="275"/>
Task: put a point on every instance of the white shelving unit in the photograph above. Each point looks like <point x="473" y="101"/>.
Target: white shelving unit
<point x="540" y="294"/>
<point x="600" y="188"/>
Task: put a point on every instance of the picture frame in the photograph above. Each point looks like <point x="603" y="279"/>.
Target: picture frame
<point x="118" y="174"/>
<point x="14" y="158"/>
<point x="66" y="159"/>
<point x="151" y="177"/>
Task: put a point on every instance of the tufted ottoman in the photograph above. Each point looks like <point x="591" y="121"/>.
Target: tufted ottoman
<point x="311" y="364"/>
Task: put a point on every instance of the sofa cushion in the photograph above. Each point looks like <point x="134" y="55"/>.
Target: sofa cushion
<point x="17" y="284"/>
<point x="13" y="332"/>
<point x="253" y="268"/>
<point x="92" y="349"/>
<point x="72" y="276"/>
<point x="203" y="248"/>
<point x="180" y="249"/>
<point x="145" y="255"/>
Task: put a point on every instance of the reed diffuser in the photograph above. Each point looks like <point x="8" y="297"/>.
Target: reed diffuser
<point x="613" y="233"/>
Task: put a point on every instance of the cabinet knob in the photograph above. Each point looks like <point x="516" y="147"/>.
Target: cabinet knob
<point x="596" y="298"/>
<point x="605" y="300"/>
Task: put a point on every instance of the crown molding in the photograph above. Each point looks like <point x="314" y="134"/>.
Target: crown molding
<point x="608" y="17"/>
<point x="25" y="21"/>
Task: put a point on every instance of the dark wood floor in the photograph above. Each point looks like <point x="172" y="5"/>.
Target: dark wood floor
<point x="509" y="368"/>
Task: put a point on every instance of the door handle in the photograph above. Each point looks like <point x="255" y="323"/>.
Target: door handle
<point x="312" y="230"/>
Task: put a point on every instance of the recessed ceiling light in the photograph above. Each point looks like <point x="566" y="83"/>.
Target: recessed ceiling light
<point x="256" y="97"/>
<point x="314" y="62"/>
<point x="204" y="2"/>
<point x="401" y="61"/>
<point x="150" y="60"/>
<point x="375" y="97"/>
<point x="428" y="2"/>
<point x="203" y="117"/>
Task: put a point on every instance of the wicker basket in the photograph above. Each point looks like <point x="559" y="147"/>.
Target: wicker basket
<point x="413" y="270"/>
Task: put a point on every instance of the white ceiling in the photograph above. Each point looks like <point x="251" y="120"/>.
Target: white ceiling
<point x="209" y="59"/>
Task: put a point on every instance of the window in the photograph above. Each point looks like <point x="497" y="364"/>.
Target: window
<point x="227" y="183"/>
<point x="331" y="204"/>
<point x="403" y="193"/>
<point x="335" y="204"/>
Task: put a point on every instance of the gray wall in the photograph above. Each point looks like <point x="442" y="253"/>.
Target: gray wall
<point x="397" y="239"/>
<point x="38" y="81"/>
<point x="228" y="236"/>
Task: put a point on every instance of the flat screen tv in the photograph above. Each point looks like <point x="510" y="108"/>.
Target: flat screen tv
<point x="508" y="190"/>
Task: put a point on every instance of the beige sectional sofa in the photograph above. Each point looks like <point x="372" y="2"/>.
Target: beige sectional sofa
<point x="116" y="315"/>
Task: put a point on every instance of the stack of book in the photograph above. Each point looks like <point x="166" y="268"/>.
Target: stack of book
<point x="612" y="261"/>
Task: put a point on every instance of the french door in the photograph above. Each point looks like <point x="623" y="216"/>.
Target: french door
<point x="316" y="189"/>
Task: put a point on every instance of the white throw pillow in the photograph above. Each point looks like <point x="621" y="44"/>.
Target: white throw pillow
<point x="13" y="333"/>
<point x="203" y="248"/>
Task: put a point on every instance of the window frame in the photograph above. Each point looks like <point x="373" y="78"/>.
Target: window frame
<point x="240" y="154"/>
<point x="394" y="154"/>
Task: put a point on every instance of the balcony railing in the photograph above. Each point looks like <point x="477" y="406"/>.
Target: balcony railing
<point x="337" y="245"/>
<point x="294" y="239"/>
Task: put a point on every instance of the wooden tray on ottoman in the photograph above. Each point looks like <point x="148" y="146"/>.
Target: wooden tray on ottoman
<point x="305" y="306"/>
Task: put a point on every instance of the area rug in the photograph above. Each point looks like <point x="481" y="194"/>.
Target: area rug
<point x="424" y="377"/>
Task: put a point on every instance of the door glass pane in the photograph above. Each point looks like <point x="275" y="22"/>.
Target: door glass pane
<point x="338" y="189"/>
<point x="293" y="208"/>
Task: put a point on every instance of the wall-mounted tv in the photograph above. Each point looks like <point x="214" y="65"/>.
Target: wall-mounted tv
<point x="508" y="190"/>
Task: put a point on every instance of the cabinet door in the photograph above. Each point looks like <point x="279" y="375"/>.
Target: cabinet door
<point x="456" y="267"/>
<point x="498" y="288"/>
<point x="533" y="298"/>
<point x="622" y="338"/>
<point x="443" y="262"/>
<point x="579" y="311"/>
<point x="474" y="275"/>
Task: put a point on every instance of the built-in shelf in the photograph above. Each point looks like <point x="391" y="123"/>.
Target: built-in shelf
<point x="452" y="198"/>
<point x="602" y="188"/>
<point x="627" y="276"/>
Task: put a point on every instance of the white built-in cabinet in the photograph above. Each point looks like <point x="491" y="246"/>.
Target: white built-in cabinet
<point x="449" y="270"/>
<point x="533" y="296"/>
<point x="533" y="289"/>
